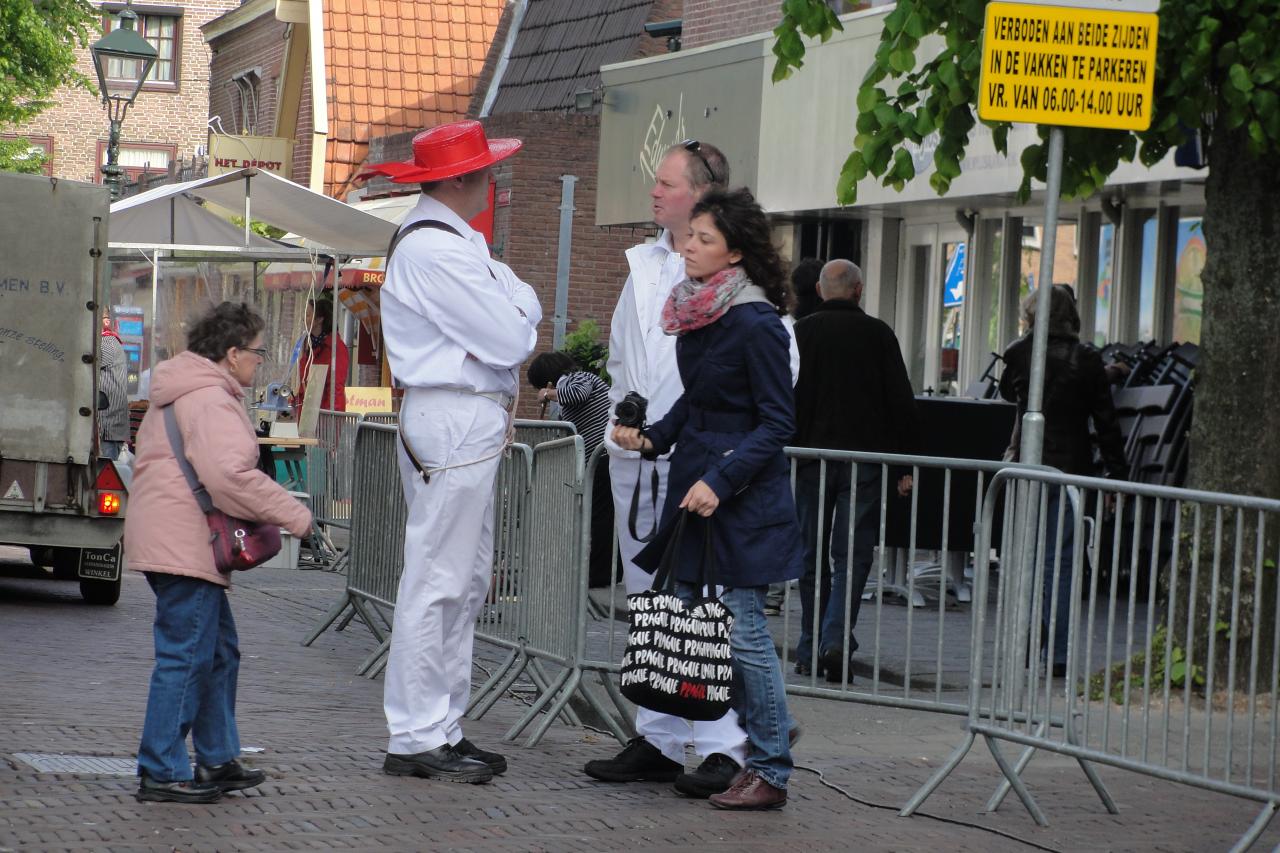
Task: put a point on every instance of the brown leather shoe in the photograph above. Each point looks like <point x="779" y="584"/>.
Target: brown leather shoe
<point x="749" y="792"/>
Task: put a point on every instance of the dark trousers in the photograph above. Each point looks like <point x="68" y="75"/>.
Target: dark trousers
<point x="824" y="525"/>
<point x="600" y="561"/>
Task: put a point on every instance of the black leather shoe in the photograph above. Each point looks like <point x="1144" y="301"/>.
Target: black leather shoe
<point x="183" y="791"/>
<point x="715" y="774"/>
<point x="232" y="776"/>
<point x="467" y="749"/>
<point x="443" y="762"/>
<point x="640" y="761"/>
<point x="831" y="666"/>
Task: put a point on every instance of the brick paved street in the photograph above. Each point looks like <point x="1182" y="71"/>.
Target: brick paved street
<point x="73" y="680"/>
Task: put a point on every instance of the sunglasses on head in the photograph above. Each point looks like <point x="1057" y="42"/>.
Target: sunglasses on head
<point x="694" y="147"/>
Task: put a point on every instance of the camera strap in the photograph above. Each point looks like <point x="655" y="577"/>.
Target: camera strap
<point x="633" y="516"/>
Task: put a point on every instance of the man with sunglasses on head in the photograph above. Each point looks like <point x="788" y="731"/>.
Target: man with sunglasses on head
<point x="642" y="359"/>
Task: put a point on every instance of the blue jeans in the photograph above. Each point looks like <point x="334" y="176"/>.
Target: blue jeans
<point x="832" y="541"/>
<point x="193" y="686"/>
<point x="759" y="696"/>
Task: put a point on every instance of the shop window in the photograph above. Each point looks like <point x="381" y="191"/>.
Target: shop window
<point x="1188" y="291"/>
<point x="163" y="29"/>
<point x="1106" y="284"/>
<point x="1147" y="291"/>
<point x="139" y="158"/>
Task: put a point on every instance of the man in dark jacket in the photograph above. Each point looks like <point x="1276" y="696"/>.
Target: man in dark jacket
<point x="853" y="394"/>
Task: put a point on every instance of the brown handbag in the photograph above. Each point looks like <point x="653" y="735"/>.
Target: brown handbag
<point x="237" y="544"/>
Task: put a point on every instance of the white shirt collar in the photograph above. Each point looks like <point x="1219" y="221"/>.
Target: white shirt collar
<point x="663" y="244"/>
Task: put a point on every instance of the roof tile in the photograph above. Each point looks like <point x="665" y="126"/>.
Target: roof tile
<point x="400" y="65"/>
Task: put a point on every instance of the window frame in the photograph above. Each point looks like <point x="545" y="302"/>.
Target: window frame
<point x="110" y="10"/>
<point x="131" y="173"/>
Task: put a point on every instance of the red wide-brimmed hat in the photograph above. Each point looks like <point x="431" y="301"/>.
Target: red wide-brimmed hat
<point x="445" y="152"/>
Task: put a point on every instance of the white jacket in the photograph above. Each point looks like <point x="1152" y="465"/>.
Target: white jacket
<point x="642" y="357"/>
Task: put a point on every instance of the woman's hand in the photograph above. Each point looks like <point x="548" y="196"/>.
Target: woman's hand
<point x="545" y="394"/>
<point x="629" y="438"/>
<point x="700" y="499"/>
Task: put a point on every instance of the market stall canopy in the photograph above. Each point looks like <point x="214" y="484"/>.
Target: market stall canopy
<point x="325" y="224"/>
<point x="178" y="220"/>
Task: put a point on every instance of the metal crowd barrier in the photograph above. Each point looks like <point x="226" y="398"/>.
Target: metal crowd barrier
<point x="915" y="656"/>
<point x="376" y="551"/>
<point x="1169" y="599"/>
<point x="329" y="479"/>
<point x="553" y="578"/>
<point x="533" y="432"/>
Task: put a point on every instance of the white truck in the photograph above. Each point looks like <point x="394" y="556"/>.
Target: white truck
<point x="57" y="496"/>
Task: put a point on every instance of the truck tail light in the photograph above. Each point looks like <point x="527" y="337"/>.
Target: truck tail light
<point x="110" y="489"/>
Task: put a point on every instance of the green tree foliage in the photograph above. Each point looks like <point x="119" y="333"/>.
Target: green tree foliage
<point x="19" y="155"/>
<point x="1217" y="66"/>
<point x="40" y="39"/>
<point x="583" y="346"/>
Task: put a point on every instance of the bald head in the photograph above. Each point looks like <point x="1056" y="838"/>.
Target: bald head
<point x="840" y="279"/>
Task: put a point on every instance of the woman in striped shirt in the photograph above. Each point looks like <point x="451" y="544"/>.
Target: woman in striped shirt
<point x="584" y="401"/>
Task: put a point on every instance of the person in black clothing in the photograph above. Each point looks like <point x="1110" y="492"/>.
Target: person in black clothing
<point x="584" y="401"/>
<point x="1076" y="388"/>
<point x="804" y="283"/>
<point x="853" y="394"/>
<point x="804" y="286"/>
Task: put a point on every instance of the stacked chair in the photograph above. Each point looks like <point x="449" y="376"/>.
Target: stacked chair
<point x="1154" y="406"/>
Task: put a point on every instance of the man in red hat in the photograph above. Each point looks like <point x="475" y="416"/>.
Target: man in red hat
<point x="457" y="326"/>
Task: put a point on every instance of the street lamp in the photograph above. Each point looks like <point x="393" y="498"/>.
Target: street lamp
<point x="124" y="57"/>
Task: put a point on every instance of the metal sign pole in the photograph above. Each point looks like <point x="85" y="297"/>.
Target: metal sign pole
<point x="1028" y="497"/>
<point x="1033" y="420"/>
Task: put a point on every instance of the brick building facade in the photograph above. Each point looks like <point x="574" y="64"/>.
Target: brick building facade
<point x="249" y="51"/>
<point x="711" y="21"/>
<point x="167" y="122"/>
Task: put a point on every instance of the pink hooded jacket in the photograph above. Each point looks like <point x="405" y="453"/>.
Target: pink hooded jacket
<point x="164" y="530"/>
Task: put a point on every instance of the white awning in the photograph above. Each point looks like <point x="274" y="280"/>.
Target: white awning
<point x="325" y="225"/>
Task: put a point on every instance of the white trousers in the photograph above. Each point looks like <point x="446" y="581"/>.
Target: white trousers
<point x="667" y="733"/>
<point x="448" y="561"/>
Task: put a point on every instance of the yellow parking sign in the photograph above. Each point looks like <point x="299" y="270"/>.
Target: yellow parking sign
<point x="1062" y="65"/>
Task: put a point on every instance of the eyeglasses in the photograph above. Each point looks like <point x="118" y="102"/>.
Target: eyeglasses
<point x="260" y="352"/>
<point x="694" y="147"/>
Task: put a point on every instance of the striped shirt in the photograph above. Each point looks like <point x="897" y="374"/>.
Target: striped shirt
<point x="584" y="401"/>
<point x="113" y="422"/>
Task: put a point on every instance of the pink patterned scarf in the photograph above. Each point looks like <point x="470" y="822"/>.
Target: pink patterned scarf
<point x="694" y="304"/>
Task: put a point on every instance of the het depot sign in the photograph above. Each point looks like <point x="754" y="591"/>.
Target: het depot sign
<point x="269" y="153"/>
<point x="1084" y="63"/>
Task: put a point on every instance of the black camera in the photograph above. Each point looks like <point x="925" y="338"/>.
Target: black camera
<point x="631" y="410"/>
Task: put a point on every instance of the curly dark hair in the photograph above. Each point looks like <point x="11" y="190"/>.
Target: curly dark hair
<point x="548" y="367"/>
<point x="231" y="324"/>
<point x="745" y="228"/>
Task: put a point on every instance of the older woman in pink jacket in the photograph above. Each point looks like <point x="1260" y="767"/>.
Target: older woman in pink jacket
<point x="193" y="686"/>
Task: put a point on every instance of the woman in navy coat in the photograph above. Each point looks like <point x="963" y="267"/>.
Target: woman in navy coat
<point x="729" y="429"/>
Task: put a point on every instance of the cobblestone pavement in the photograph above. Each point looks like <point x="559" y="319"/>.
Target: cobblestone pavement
<point x="73" y="680"/>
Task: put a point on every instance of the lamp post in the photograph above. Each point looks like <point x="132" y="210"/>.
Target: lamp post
<point x="125" y="58"/>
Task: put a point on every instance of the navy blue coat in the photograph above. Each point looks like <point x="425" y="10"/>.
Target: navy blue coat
<point x="729" y="427"/>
